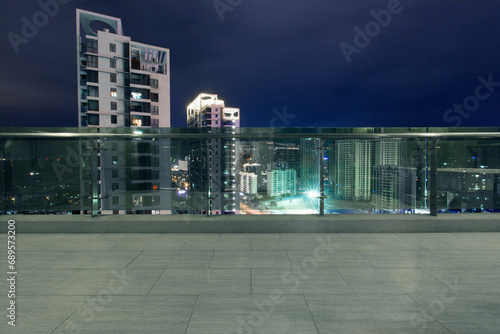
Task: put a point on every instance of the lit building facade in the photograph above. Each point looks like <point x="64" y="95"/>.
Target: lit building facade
<point x="282" y="182"/>
<point x="248" y="183"/>
<point x="309" y="165"/>
<point x="353" y="166"/>
<point x="125" y="84"/>
<point x="215" y="163"/>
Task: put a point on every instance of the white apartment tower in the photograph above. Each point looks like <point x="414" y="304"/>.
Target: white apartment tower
<point x="121" y="83"/>
<point x="124" y="84"/>
<point x="282" y="182"/>
<point x="215" y="163"/>
<point x="353" y="169"/>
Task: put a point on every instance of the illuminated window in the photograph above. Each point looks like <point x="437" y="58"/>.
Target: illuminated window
<point x="137" y="122"/>
<point x="113" y="92"/>
<point x="136" y="95"/>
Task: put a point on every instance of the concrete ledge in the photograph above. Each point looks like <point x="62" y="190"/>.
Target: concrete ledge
<point x="254" y="224"/>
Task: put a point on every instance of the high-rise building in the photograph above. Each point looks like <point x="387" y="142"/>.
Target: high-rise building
<point x="353" y="165"/>
<point x="215" y="163"/>
<point x="124" y="84"/>
<point x="282" y="182"/>
<point x="248" y="183"/>
<point x="121" y="83"/>
<point x="309" y="165"/>
<point x="394" y="188"/>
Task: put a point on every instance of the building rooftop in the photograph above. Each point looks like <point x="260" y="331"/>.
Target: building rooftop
<point x="260" y="283"/>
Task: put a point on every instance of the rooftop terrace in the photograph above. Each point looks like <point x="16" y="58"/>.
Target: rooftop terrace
<point x="256" y="283"/>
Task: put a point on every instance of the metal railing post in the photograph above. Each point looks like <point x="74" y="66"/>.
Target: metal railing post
<point x="321" y="177"/>
<point x="433" y="178"/>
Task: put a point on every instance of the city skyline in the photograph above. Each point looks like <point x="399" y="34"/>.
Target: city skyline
<point x="293" y="65"/>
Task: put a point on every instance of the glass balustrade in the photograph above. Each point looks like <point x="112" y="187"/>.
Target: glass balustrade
<point x="249" y="171"/>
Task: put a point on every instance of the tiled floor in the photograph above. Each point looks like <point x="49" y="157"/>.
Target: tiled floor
<point x="256" y="283"/>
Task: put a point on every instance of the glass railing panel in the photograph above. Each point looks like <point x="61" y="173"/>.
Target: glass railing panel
<point x="468" y="175"/>
<point x="387" y="175"/>
<point x="44" y="175"/>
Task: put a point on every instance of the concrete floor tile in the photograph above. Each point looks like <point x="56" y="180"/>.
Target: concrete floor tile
<point x="119" y="281"/>
<point x="157" y="244"/>
<point x="472" y="281"/>
<point x="382" y="327"/>
<point x="381" y="280"/>
<point x="93" y="260"/>
<point x="172" y="260"/>
<point x="199" y="244"/>
<point x="254" y="259"/>
<point x="132" y="314"/>
<point x="471" y="259"/>
<point x="358" y="244"/>
<point x="284" y="244"/>
<point x="330" y="309"/>
<point x="40" y="281"/>
<point x="337" y="259"/>
<point x="405" y="259"/>
<point x="40" y="314"/>
<point x="203" y="281"/>
<point x="239" y="314"/>
<point x="33" y="260"/>
<point x="457" y="306"/>
<point x="302" y="280"/>
<point x="250" y="236"/>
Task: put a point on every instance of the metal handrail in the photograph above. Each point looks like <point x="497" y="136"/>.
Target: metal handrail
<point x="253" y="136"/>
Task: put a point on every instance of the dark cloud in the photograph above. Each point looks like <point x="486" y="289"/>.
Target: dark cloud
<point x="271" y="54"/>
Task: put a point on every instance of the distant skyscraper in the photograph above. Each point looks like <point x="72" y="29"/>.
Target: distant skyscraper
<point x="394" y="188"/>
<point x="309" y="165"/>
<point x="214" y="164"/>
<point x="389" y="151"/>
<point x="248" y="183"/>
<point x="122" y="83"/>
<point x="282" y="182"/>
<point x="353" y="169"/>
<point x="356" y="161"/>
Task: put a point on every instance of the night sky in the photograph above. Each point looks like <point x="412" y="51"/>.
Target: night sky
<point x="266" y="55"/>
